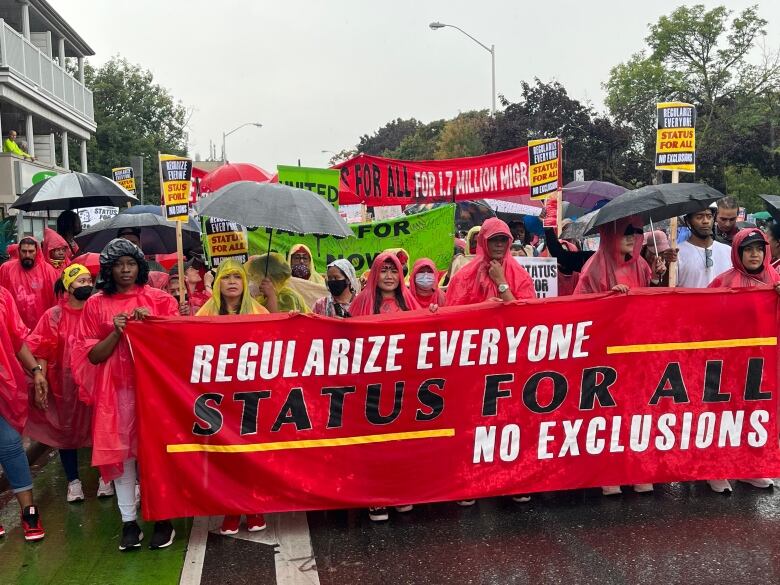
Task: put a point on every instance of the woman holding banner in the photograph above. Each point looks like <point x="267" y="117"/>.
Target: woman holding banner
<point x="424" y="284"/>
<point x="269" y="278"/>
<point x="103" y="368"/>
<point x="61" y="419"/>
<point x="343" y="286"/>
<point x="231" y="297"/>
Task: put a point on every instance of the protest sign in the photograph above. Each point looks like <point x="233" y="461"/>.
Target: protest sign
<point x="175" y="186"/>
<point x="378" y="181"/>
<point x="125" y="177"/>
<point x="224" y="240"/>
<point x="301" y="412"/>
<point x="544" y="167"/>
<point x="544" y="272"/>
<point x="90" y="216"/>
<point x="323" y="182"/>
<point x="675" y="145"/>
<point x="423" y="235"/>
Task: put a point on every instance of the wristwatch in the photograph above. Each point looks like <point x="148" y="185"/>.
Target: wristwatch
<point x="502" y="288"/>
<point x="38" y="368"/>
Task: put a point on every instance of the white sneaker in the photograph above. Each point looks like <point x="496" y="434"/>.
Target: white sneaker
<point x="406" y="508"/>
<point x="521" y="498"/>
<point x="105" y="490"/>
<point x="137" y="495"/>
<point x="466" y="503"/>
<point x="643" y="488"/>
<point x="759" y="482"/>
<point x="722" y="486"/>
<point x="75" y="491"/>
<point x="611" y="490"/>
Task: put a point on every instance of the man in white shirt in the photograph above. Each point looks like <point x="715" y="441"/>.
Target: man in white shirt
<point x="701" y="258"/>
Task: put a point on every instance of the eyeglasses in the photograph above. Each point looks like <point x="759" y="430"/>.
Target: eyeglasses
<point x="300" y="257"/>
<point x="708" y="262"/>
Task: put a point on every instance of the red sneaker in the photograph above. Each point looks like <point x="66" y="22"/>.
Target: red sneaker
<point x="31" y="524"/>
<point x="2" y="530"/>
<point x="230" y="525"/>
<point x="255" y="522"/>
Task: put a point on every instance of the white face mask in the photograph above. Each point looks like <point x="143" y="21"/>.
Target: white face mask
<point x="424" y="280"/>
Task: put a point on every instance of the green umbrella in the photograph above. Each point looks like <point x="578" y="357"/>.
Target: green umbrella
<point x="762" y="215"/>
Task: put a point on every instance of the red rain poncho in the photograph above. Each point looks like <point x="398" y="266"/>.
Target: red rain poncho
<point x="33" y="289"/>
<point x="364" y="302"/>
<point x="472" y="283"/>
<point x="53" y="241"/>
<point x="738" y="276"/>
<point x="67" y="422"/>
<point x="13" y="382"/>
<point x="609" y="267"/>
<point x="110" y="386"/>
<point x="437" y="297"/>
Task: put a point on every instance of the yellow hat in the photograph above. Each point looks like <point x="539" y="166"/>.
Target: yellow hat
<point x="72" y="272"/>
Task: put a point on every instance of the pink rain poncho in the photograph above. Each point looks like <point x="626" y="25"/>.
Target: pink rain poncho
<point x="54" y="241"/>
<point x="13" y="382"/>
<point x="472" y="283"/>
<point x="110" y="386"/>
<point x="67" y="422"/>
<point x="33" y="289"/>
<point x="609" y="266"/>
<point x="437" y="297"/>
<point x="738" y="276"/>
<point x="364" y="302"/>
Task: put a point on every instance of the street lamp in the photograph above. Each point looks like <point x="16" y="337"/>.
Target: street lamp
<point x="226" y="134"/>
<point x="491" y="49"/>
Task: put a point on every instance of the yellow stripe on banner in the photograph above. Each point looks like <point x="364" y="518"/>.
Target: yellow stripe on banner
<point x="691" y="345"/>
<point x="310" y="443"/>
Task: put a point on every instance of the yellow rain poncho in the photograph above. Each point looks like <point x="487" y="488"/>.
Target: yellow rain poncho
<point x="314" y="277"/>
<point x="249" y="306"/>
<point x="279" y="273"/>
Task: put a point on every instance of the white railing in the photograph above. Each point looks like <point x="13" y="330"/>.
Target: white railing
<point x="33" y="65"/>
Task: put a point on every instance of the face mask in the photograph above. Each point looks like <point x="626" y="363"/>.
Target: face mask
<point x="336" y="287"/>
<point x="301" y="271"/>
<point x="82" y="293"/>
<point x="424" y="280"/>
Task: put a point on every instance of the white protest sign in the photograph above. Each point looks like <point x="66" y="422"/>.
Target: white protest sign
<point x="544" y="273"/>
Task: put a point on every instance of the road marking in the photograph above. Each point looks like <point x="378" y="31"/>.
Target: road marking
<point x="196" y="552"/>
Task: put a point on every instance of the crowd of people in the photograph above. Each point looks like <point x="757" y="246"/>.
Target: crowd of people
<point x="67" y="373"/>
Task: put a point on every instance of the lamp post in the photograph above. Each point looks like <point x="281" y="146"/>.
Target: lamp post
<point x="226" y="134"/>
<point x="491" y="49"/>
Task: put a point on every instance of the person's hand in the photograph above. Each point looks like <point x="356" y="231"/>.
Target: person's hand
<point x="433" y="307"/>
<point x="621" y="288"/>
<point x="777" y="288"/>
<point x="141" y="313"/>
<point x="208" y="279"/>
<point x="669" y="256"/>
<point x="267" y="288"/>
<point x="659" y="266"/>
<point x="41" y="391"/>
<point x="496" y="272"/>
<point x="184" y="309"/>
<point x="120" y="322"/>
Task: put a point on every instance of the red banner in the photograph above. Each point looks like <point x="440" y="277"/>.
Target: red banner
<point x="378" y="181"/>
<point x="274" y="413"/>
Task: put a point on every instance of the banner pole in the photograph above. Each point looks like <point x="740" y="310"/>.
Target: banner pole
<point x="673" y="238"/>
<point x="180" y="262"/>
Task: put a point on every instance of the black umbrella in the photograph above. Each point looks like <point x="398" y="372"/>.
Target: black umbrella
<point x="158" y="235"/>
<point x="772" y="204"/>
<point x="157" y="210"/>
<point x="72" y="191"/>
<point x="656" y="202"/>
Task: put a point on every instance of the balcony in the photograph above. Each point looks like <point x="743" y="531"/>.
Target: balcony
<point x="25" y="60"/>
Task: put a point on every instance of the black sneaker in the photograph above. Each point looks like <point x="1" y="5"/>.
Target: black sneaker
<point x="163" y="535"/>
<point x="378" y="514"/>
<point x="131" y="536"/>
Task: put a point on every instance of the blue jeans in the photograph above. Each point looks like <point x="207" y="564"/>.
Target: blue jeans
<point x="13" y="459"/>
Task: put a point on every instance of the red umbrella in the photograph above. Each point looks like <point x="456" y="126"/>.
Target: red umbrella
<point x="167" y="260"/>
<point x="90" y="260"/>
<point x="230" y="173"/>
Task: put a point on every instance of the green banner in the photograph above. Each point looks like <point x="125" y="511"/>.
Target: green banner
<point x="424" y="235"/>
<point x="323" y="182"/>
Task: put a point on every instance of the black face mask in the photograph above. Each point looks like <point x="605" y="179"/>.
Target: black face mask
<point x="82" y="293"/>
<point x="336" y="287"/>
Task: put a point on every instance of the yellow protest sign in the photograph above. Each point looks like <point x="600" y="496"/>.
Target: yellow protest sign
<point x="124" y="176"/>
<point x="675" y="144"/>
<point x="175" y="186"/>
<point x="544" y="167"/>
<point x="224" y="240"/>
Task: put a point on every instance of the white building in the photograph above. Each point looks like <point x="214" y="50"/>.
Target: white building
<point x="42" y="102"/>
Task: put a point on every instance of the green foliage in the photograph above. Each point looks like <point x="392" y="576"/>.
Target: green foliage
<point x="463" y="136"/>
<point x="7" y="235"/>
<point x="421" y="145"/>
<point x="388" y="137"/>
<point x="746" y="183"/>
<point x="134" y="116"/>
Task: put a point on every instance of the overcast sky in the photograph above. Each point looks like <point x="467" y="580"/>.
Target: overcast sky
<point x="319" y="74"/>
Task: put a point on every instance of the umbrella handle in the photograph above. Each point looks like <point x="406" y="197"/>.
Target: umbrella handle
<point x="268" y="253"/>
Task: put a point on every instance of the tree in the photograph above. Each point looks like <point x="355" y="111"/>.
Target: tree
<point x="388" y="137"/>
<point x="463" y="136"/>
<point x="134" y="116"/>
<point x="422" y="144"/>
